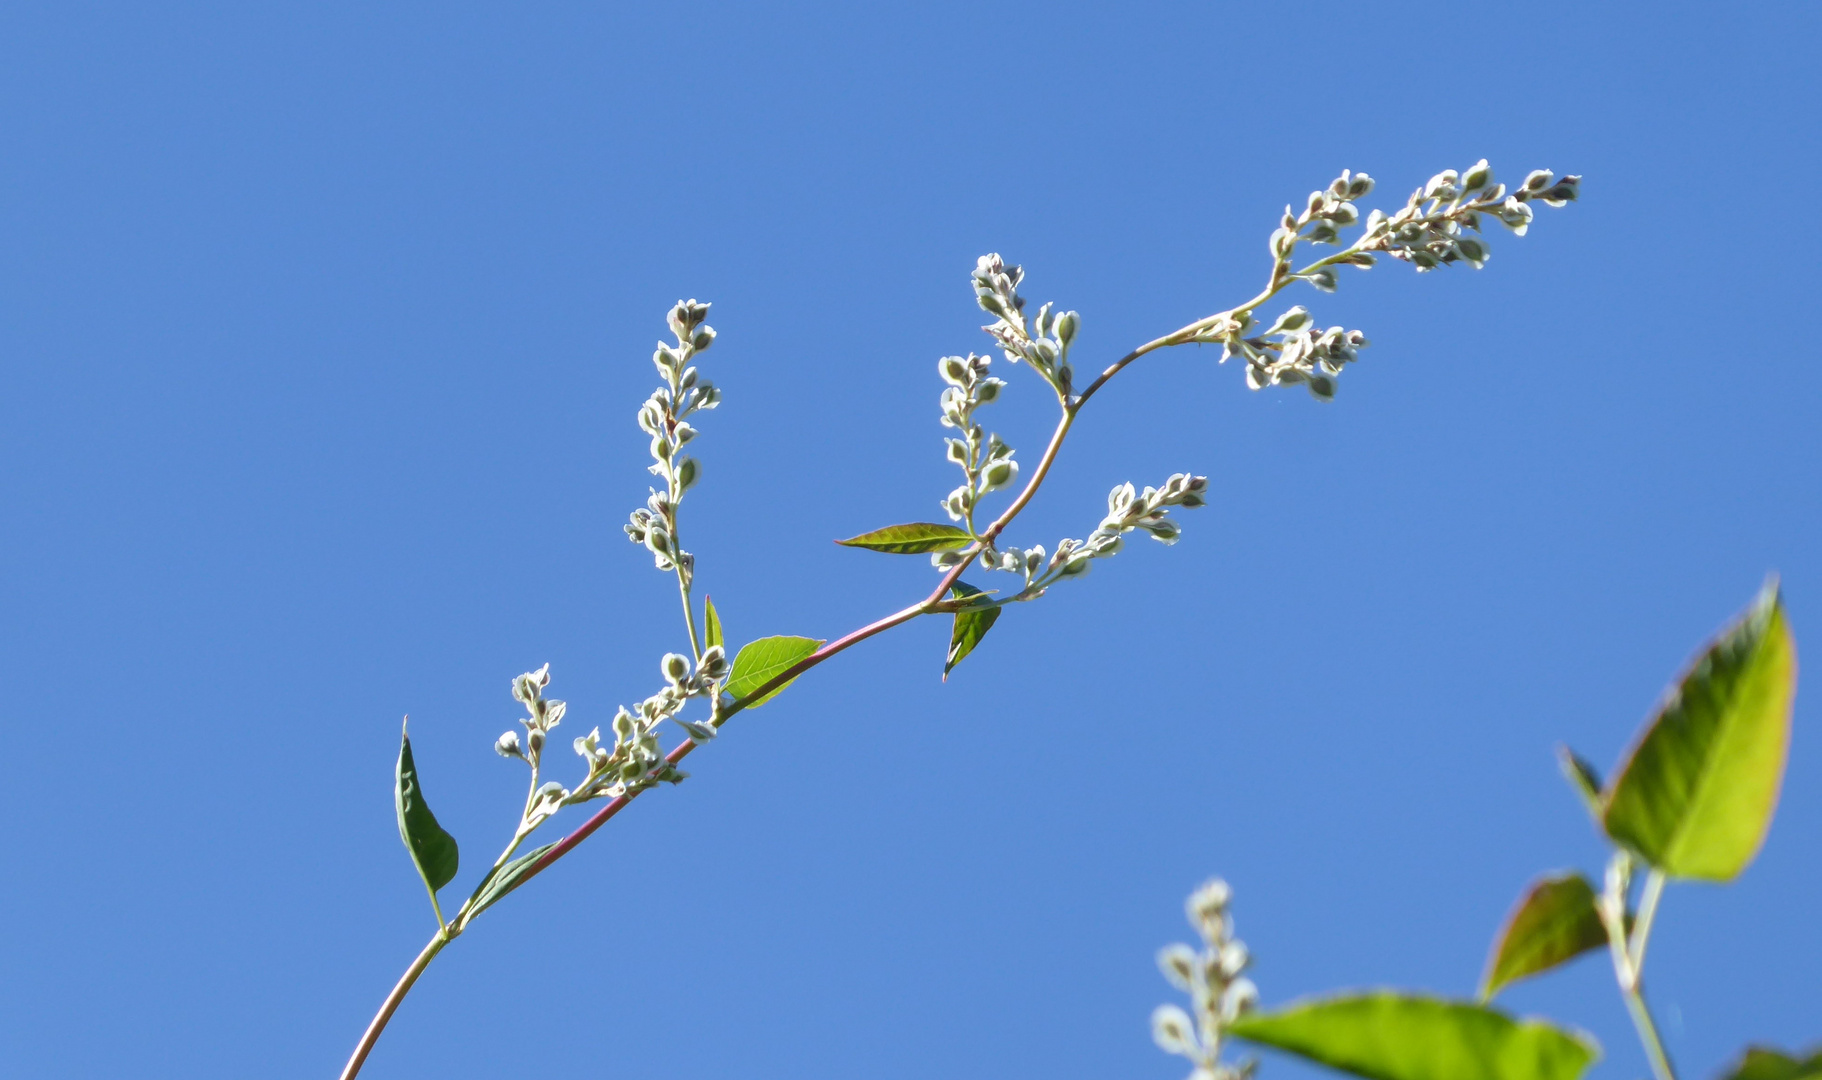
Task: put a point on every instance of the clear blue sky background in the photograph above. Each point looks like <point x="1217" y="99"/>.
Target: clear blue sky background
<point x="321" y="332"/>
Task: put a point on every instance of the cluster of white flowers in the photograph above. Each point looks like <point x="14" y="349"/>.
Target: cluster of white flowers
<point x="1300" y="354"/>
<point x="1127" y="509"/>
<point x="985" y="461"/>
<point x="1212" y="977"/>
<point x="634" y="762"/>
<point x="664" y="417"/>
<point x="1438" y="226"/>
<point x="1044" y="344"/>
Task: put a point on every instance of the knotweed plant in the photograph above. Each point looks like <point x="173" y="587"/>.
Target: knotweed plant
<point x="1442" y="223"/>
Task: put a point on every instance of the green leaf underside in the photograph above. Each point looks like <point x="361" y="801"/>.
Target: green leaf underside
<point x="1383" y="1035"/>
<point x="1764" y="1063"/>
<point x="711" y="623"/>
<point x="763" y="660"/>
<point x="1554" y="922"/>
<point x="1583" y="777"/>
<point x="917" y="538"/>
<point x="505" y="881"/>
<point x="433" y="850"/>
<point x="970" y="627"/>
<point x="1697" y="792"/>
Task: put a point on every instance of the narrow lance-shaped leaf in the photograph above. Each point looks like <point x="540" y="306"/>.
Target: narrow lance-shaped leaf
<point x="1554" y="922"/>
<point x="970" y="627"/>
<point x="917" y="538"/>
<point x="1696" y="794"/>
<point x="1764" y="1063"/>
<point x="490" y="891"/>
<point x="432" y="850"/>
<point x="1383" y="1035"/>
<point x="711" y="623"/>
<point x="761" y="661"/>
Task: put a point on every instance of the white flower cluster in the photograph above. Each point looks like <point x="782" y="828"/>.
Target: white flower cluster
<point x="1045" y="343"/>
<point x="634" y="762"/>
<point x="1433" y="229"/>
<point x="1300" y="354"/>
<point x="664" y="417"/>
<point x="1127" y="509"/>
<point x="1212" y="977"/>
<point x="986" y="462"/>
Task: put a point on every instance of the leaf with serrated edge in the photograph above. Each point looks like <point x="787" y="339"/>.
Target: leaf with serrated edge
<point x="970" y="627"/>
<point x="1384" y="1035"/>
<point x="916" y="538"/>
<point x="1765" y="1063"/>
<point x="1696" y="795"/>
<point x="764" y="660"/>
<point x="711" y="623"/>
<point x="491" y="890"/>
<point x="1554" y="922"/>
<point x="433" y="851"/>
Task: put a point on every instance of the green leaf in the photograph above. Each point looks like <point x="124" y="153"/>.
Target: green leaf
<point x="1764" y="1063"/>
<point x="1696" y="794"/>
<point x="762" y="661"/>
<point x="917" y="538"/>
<point x="1554" y="922"/>
<point x="503" y="882"/>
<point x="711" y="623"/>
<point x="970" y="627"/>
<point x="1384" y="1035"/>
<point x="1584" y="778"/>
<point x="432" y="849"/>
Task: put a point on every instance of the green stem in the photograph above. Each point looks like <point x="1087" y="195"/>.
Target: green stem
<point x="1629" y="959"/>
<point x="391" y="1004"/>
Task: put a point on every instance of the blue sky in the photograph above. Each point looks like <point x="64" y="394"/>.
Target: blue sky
<point x="321" y="332"/>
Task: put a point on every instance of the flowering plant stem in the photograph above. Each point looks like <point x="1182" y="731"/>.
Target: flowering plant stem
<point x="1427" y="233"/>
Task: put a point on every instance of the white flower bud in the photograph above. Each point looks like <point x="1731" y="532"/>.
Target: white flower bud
<point x="1068" y="324"/>
<point x="1295" y="319"/>
<point x="1537" y="180"/>
<point x="1477" y="177"/>
<point x="1241" y="997"/>
<point x="675" y="667"/>
<point x="1178" y="963"/>
<point x="1174" y="1031"/>
<point x="507" y="746"/>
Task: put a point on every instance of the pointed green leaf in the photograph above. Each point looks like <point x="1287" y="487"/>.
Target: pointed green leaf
<point x="711" y="623"/>
<point x="503" y="882"/>
<point x="1554" y="922"/>
<point x="917" y="538"/>
<point x="432" y="849"/>
<point x="1764" y="1063"/>
<point x="970" y="627"/>
<point x="765" y="659"/>
<point x="1384" y="1035"/>
<point x="1584" y="778"/>
<point x="1696" y="794"/>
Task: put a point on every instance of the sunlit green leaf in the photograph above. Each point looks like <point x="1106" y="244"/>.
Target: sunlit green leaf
<point x="711" y="623"/>
<point x="432" y="850"/>
<point x="505" y="881"/>
<point x="1554" y="922"/>
<point x="764" y="660"/>
<point x="1696" y="795"/>
<point x="917" y="538"/>
<point x="1764" y="1063"/>
<point x="970" y="627"/>
<point x="1383" y="1035"/>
